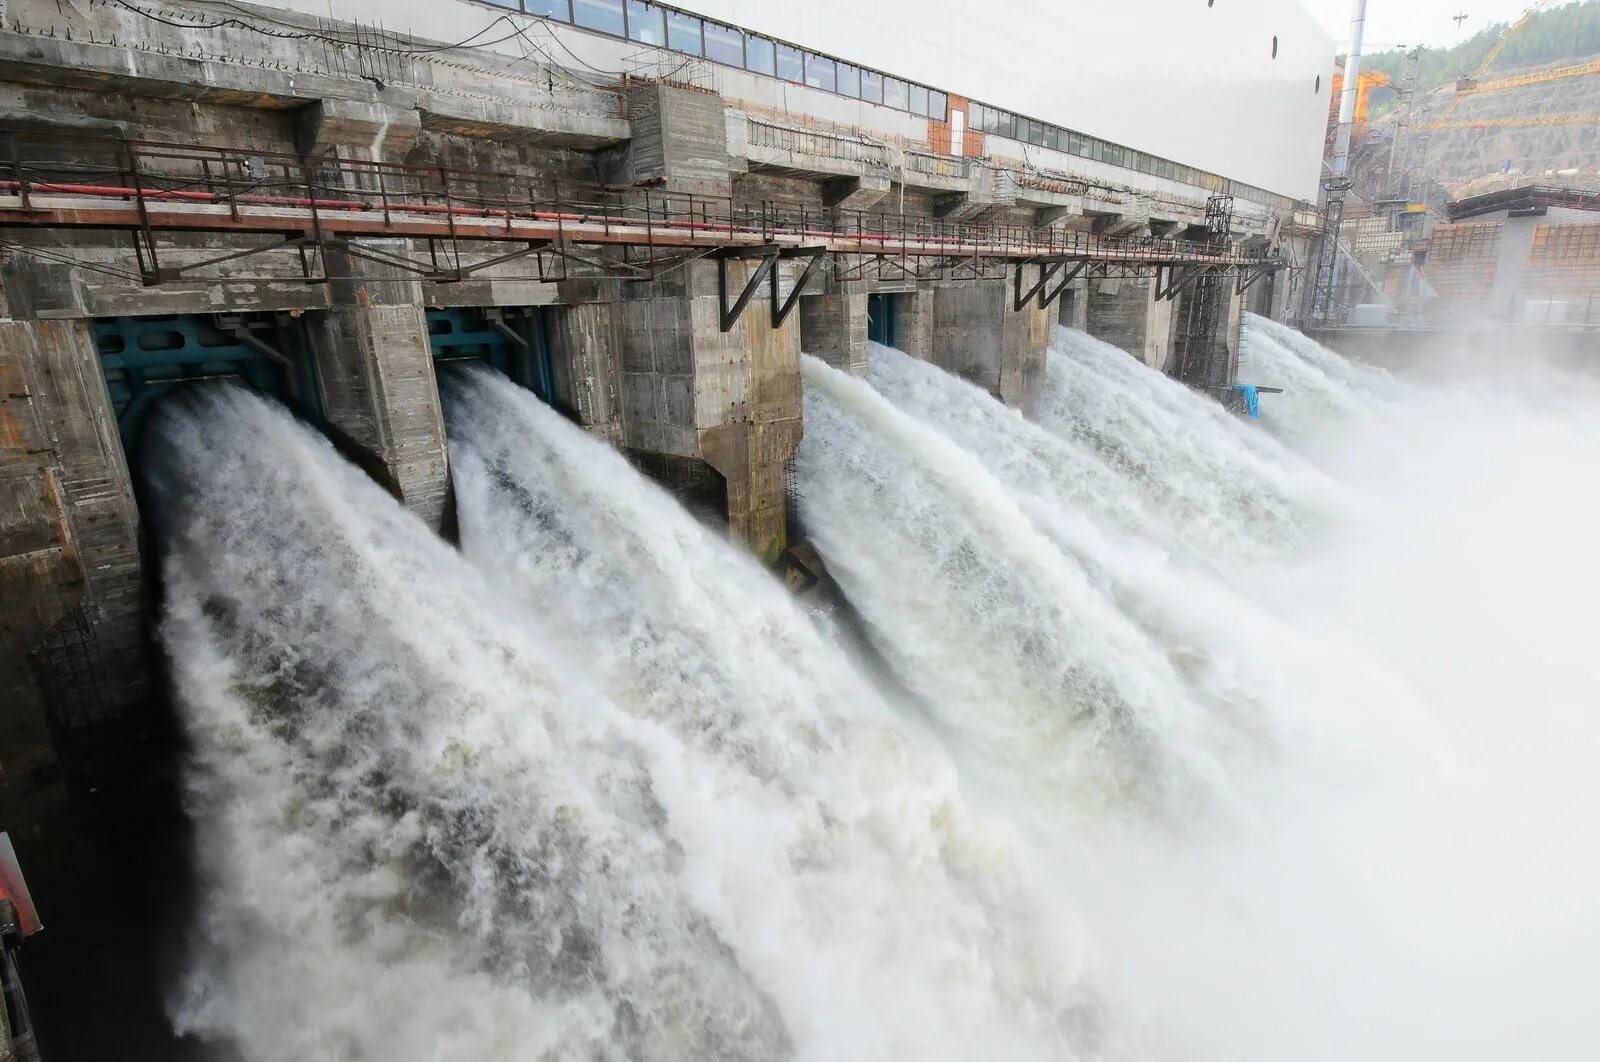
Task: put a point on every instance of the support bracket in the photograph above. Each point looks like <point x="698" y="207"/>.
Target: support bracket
<point x="1071" y="274"/>
<point x="234" y="325"/>
<point x="782" y="308"/>
<point x="496" y="319"/>
<point x="1047" y="272"/>
<point x="1178" y="277"/>
<point x="768" y="254"/>
<point x="1249" y="276"/>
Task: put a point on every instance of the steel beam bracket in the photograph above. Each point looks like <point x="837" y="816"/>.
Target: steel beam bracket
<point x="1177" y="277"/>
<point x="236" y="326"/>
<point x="783" y="307"/>
<point x="768" y="254"/>
<point x="495" y="317"/>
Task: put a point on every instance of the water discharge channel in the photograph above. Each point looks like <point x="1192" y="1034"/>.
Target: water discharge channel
<point x="1172" y="736"/>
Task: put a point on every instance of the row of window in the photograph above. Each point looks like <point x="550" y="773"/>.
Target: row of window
<point x="664" y="27"/>
<point x="1043" y="134"/>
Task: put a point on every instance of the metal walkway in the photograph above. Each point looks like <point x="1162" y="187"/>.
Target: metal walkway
<point x="461" y="223"/>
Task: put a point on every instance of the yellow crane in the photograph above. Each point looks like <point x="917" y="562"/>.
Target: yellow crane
<point x="1500" y="45"/>
<point x="1473" y="85"/>
<point x="1537" y="77"/>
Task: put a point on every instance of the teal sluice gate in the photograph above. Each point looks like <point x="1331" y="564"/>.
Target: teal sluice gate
<point x="146" y="358"/>
<point x="880" y="319"/>
<point x="514" y="343"/>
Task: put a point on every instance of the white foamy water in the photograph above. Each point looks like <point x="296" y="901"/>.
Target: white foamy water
<point x="1410" y="877"/>
<point x="1065" y="697"/>
<point x="1199" y="748"/>
<point x="603" y="792"/>
<point x="835" y="848"/>
<point x="423" y="838"/>
<point x="1224" y="487"/>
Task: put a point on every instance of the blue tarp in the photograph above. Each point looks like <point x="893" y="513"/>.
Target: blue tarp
<point x="1252" y="398"/>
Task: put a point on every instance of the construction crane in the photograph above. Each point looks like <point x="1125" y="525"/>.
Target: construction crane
<point x="1366" y="82"/>
<point x="1505" y="38"/>
<point x="1473" y="83"/>
<point x="1537" y="77"/>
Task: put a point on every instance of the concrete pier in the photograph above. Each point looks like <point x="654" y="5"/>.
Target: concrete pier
<point x="379" y="394"/>
<point x="833" y="327"/>
<point x="1126" y="314"/>
<point x="71" y="577"/>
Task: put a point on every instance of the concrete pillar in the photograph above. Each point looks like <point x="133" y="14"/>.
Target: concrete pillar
<point x="913" y="321"/>
<point x="833" y="327"/>
<point x="979" y="335"/>
<point x="1125" y="313"/>
<point x="1073" y="307"/>
<point x="71" y="577"/>
<point x="679" y="142"/>
<point x="378" y="386"/>
<point x="729" y="399"/>
<point x="584" y="353"/>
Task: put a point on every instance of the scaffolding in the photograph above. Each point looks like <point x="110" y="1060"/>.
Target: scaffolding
<point x="1202" y="357"/>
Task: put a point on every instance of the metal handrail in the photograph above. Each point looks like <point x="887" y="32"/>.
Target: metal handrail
<point x="149" y="172"/>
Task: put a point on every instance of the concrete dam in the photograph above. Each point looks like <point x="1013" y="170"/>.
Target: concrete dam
<point x="611" y="530"/>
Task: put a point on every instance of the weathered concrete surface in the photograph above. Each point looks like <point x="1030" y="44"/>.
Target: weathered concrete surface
<point x="1125" y="313"/>
<point x="585" y="356"/>
<point x="381" y="398"/>
<point x="833" y="327"/>
<point x="979" y="336"/>
<point x="912" y="313"/>
<point x="730" y="399"/>
<point x="71" y="582"/>
<point x="679" y="140"/>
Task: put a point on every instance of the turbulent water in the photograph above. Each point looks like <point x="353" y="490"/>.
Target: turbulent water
<point x="1196" y="738"/>
<point x="1372" y="602"/>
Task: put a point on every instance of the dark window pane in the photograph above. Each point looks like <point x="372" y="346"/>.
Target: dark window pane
<point x="549" y="9"/>
<point x="919" y="99"/>
<point x="760" y="56"/>
<point x="724" y="44"/>
<point x="602" y="15"/>
<point x="790" y="67"/>
<point x="1008" y="126"/>
<point x="849" y="80"/>
<point x="872" y="86"/>
<point x="820" y="72"/>
<point x="645" y="23"/>
<point x="1052" y="138"/>
<point x="895" y="92"/>
<point x="683" y="33"/>
<point x="938" y="105"/>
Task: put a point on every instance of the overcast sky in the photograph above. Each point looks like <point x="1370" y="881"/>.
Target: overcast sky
<point x="1392" y="22"/>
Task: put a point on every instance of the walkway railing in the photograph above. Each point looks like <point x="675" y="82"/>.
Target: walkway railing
<point x="317" y="203"/>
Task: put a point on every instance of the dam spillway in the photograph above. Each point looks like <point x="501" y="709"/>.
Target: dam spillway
<point x="597" y="782"/>
<point x="606" y="529"/>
